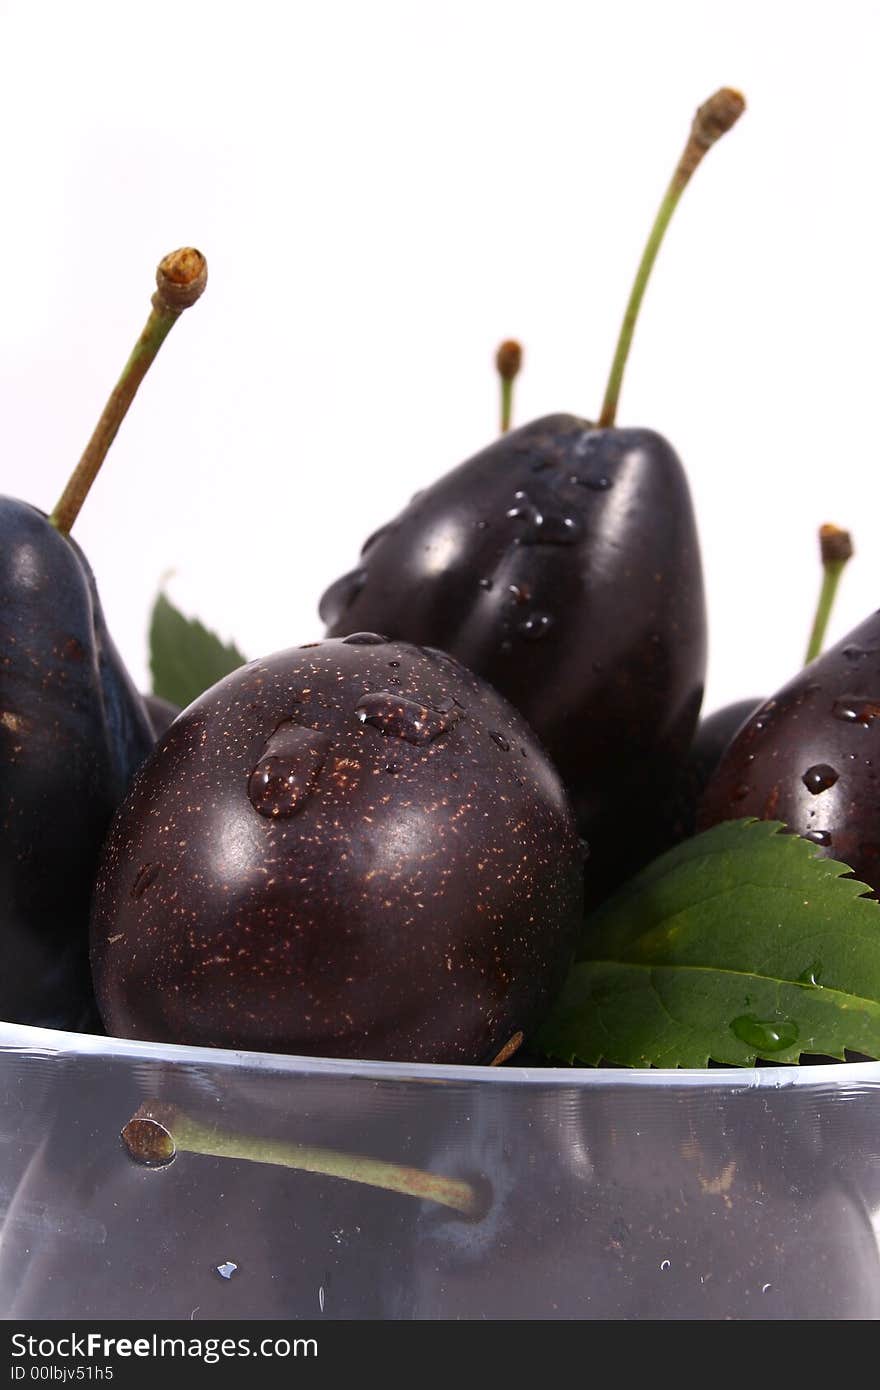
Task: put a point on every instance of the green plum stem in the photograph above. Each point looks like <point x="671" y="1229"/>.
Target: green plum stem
<point x="836" y="549"/>
<point x="713" y="119"/>
<point x="180" y="280"/>
<point x="181" y="1133"/>
<point x="506" y="405"/>
<point x="508" y="360"/>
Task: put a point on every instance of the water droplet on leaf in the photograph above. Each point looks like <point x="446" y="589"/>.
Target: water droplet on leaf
<point x="767" y="1035"/>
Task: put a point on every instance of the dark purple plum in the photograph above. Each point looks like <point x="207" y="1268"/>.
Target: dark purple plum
<point x="354" y="848"/>
<point x="562" y="565"/>
<point x="73" y="729"/>
<point x="810" y="757"/>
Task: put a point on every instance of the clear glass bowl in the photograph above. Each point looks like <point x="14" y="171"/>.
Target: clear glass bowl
<point x="600" y="1194"/>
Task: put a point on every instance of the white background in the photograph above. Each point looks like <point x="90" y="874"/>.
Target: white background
<point x="383" y="192"/>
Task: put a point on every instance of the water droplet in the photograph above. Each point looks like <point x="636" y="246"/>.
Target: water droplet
<point x="855" y="709"/>
<point x="767" y="1035"/>
<point x="535" y="626"/>
<point x="285" y="776"/>
<point x="321" y="1298"/>
<point x="145" y="878"/>
<point x="518" y="593"/>
<point x="600" y="483"/>
<point x="393" y="768"/>
<point x="340" y="596"/>
<point x="740" y="792"/>
<point x="149" y="1142"/>
<point x="227" y="1269"/>
<point x="819" y="778"/>
<point x="500" y="740"/>
<point x="543" y="519"/>
<point x="365" y="639"/>
<point x="765" y="1287"/>
<point x="665" y="1264"/>
<point x="810" y="976"/>
<point x="482" y="525"/>
<point x="853" y="653"/>
<point x="819" y="837"/>
<point x="395" y="665"/>
<point x="485" y="583"/>
<point x="584" y="847"/>
<point x="399" y="717"/>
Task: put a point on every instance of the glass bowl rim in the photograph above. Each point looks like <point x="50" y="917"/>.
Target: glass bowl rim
<point x="47" y="1042"/>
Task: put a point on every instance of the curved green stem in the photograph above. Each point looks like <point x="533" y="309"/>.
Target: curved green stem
<point x="836" y="549"/>
<point x="180" y="279"/>
<point x="713" y="118"/>
<point x="158" y="1131"/>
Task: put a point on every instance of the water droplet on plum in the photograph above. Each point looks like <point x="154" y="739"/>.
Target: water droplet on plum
<point x="819" y="778"/>
<point x="535" y="626"/>
<point x="819" y="837"/>
<point x="543" y="519"/>
<point x="855" y="709"/>
<point x="396" y="716"/>
<point x="285" y="776"/>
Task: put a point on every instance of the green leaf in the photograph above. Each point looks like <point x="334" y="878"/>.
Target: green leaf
<point x="185" y="658"/>
<point x="738" y="944"/>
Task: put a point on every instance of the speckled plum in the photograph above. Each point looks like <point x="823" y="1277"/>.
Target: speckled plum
<point x="355" y="848"/>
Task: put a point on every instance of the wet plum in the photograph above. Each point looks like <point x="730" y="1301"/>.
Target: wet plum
<point x="355" y="848"/>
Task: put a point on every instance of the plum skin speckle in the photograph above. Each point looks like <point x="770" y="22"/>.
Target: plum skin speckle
<point x="426" y="916"/>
